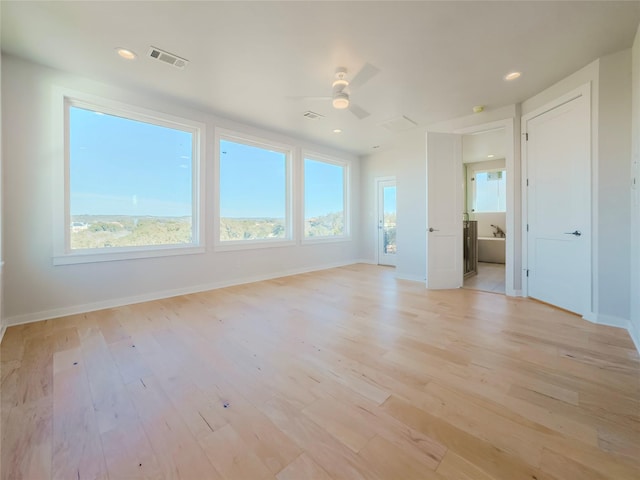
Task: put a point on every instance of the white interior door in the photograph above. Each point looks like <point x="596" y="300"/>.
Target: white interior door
<point x="559" y="204"/>
<point x="387" y="247"/>
<point x="444" y="210"/>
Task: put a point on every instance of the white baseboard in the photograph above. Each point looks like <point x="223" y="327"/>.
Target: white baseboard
<point x="592" y="317"/>
<point x="2" y="330"/>
<point x="411" y="278"/>
<point x="366" y="261"/>
<point x="119" y="302"/>
<point x="610" y="320"/>
<point x="634" y="332"/>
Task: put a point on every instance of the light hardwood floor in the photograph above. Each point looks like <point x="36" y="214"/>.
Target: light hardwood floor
<point x="340" y="374"/>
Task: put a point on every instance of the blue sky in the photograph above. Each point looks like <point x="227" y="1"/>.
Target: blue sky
<point x="125" y="167"/>
<point x="323" y="188"/>
<point x="252" y="181"/>
<point x="389" y="202"/>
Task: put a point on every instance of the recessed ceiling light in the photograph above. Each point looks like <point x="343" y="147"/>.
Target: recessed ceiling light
<point x="491" y="155"/>
<point x="512" y="75"/>
<point x="126" y="54"/>
<point x="337" y="130"/>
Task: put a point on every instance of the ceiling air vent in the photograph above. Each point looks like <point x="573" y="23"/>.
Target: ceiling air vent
<point x="399" y="124"/>
<point x="312" y="115"/>
<point x="168" y="58"/>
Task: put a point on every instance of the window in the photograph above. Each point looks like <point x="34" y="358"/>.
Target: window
<point x="490" y="191"/>
<point x="131" y="184"/>
<point x="254" y="192"/>
<point x="325" y="199"/>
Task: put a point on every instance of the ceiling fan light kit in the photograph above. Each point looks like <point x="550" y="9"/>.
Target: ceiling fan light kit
<point x="340" y="101"/>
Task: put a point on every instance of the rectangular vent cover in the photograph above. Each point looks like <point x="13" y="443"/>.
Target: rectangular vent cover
<point x="399" y="124"/>
<point x="168" y="58"/>
<point x="312" y="115"/>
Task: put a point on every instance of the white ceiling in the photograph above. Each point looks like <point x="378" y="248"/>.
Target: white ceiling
<point x="436" y="59"/>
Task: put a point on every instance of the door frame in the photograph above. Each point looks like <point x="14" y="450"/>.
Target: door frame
<point x="513" y="253"/>
<point x="592" y="265"/>
<point x="377" y="182"/>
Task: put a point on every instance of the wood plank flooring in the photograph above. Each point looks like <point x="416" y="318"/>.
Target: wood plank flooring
<point x="341" y="374"/>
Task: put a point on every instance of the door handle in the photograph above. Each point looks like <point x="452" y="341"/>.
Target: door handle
<point x="577" y="233"/>
<point x="431" y="229"/>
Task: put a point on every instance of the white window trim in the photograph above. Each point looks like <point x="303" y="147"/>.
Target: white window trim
<point x="259" y="142"/>
<point x="346" y="195"/>
<point x="62" y="253"/>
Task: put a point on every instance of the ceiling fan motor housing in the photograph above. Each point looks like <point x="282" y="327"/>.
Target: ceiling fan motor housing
<point x="341" y="82"/>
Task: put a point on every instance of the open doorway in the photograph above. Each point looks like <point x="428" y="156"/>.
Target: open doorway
<point x="485" y="210"/>
<point x="446" y="214"/>
<point x="387" y="246"/>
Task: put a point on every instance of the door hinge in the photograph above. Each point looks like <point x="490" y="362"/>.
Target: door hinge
<point x="527" y="182"/>
<point x="526" y="136"/>
<point x="527" y="227"/>
<point x="527" y="273"/>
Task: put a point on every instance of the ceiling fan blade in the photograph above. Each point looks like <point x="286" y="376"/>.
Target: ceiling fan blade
<point x="307" y="98"/>
<point x="364" y="75"/>
<point x="358" y="111"/>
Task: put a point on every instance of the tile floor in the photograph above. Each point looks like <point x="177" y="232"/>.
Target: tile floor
<point x="490" y="278"/>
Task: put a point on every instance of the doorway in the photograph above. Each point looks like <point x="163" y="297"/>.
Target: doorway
<point x="387" y="245"/>
<point x="485" y="209"/>
<point x="445" y="208"/>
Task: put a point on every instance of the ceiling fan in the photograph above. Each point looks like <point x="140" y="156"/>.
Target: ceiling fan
<point x="342" y="87"/>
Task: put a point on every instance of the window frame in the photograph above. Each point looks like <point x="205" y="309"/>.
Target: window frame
<point x="346" y="192"/>
<point x="63" y="254"/>
<point x="266" y="144"/>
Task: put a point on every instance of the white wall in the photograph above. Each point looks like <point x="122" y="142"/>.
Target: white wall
<point x="610" y="79"/>
<point x="36" y="289"/>
<point x="2" y="322"/>
<point x="407" y="162"/>
<point x="614" y="151"/>
<point x="635" y="195"/>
